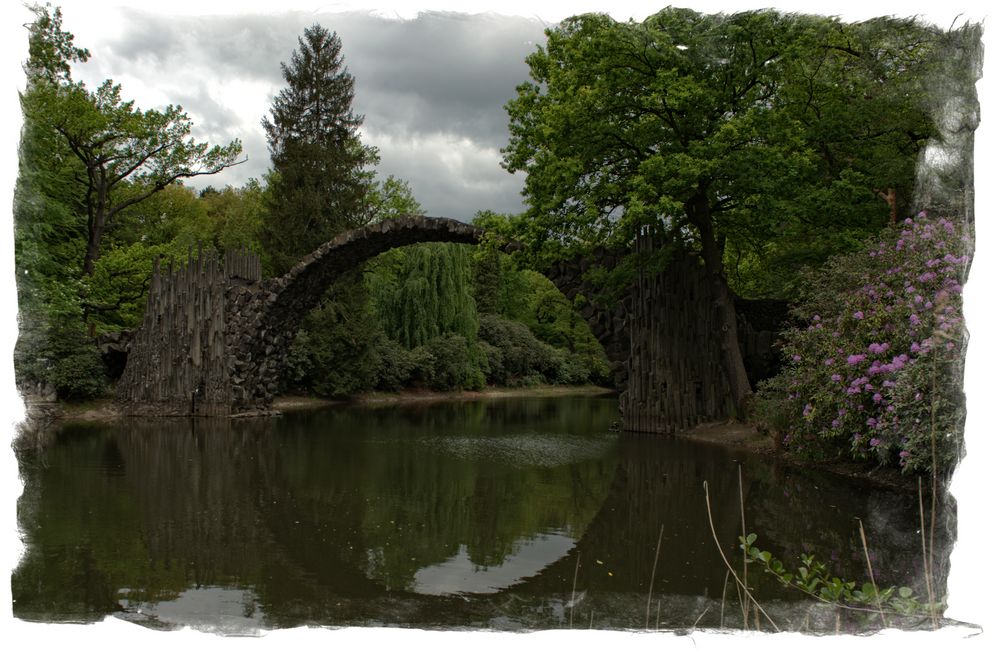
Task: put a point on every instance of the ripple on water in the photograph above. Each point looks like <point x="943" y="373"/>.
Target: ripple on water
<point x="527" y="449"/>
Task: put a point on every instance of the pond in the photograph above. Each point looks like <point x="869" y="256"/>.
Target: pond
<point x="504" y="514"/>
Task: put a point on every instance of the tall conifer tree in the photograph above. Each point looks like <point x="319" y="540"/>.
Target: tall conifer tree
<point x="320" y="167"/>
<point x="321" y="177"/>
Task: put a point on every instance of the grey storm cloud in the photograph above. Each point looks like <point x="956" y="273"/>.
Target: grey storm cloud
<point x="216" y="118"/>
<point x="457" y="71"/>
<point x="432" y="89"/>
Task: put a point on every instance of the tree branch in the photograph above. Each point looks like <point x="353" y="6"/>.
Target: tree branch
<point x="167" y="181"/>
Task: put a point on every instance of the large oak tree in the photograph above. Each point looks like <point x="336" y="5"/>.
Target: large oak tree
<point x="728" y="135"/>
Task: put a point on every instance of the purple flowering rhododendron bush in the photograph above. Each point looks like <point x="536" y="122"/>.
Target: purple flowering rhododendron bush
<point x="874" y="367"/>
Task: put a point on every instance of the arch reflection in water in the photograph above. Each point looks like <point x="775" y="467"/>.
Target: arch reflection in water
<point x="454" y="515"/>
<point x="459" y="575"/>
<point x="432" y="486"/>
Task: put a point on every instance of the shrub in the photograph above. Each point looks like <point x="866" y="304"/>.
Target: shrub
<point x="491" y="361"/>
<point x="423" y="366"/>
<point x="521" y="355"/>
<point x="53" y="350"/>
<point x="454" y="365"/>
<point x="333" y="354"/>
<point x="80" y="375"/>
<point x="874" y="369"/>
<point x="394" y="364"/>
<point x="60" y="357"/>
<point x="574" y="369"/>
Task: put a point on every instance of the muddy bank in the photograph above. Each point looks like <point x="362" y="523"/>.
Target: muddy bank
<point x="300" y="402"/>
<point x="486" y="394"/>
<point x="45" y="414"/>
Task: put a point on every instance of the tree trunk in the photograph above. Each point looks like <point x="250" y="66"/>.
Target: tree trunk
<point x="95" y="231"/>
<point x="93" y="250"/>
<point x="732" y="358"/>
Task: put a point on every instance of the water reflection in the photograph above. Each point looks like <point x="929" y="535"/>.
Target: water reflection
<point x="229" y="611"/>
<point x="481" y="514"/>
<point x="460" y="574"/>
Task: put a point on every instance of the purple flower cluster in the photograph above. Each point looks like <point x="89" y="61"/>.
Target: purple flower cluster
<point x="892" y="310"/>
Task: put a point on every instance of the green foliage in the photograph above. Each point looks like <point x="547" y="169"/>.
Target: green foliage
<point x="236" y="215"/>
<point x="422" y="291"/>
<point x="625" y="124"/>
<point x="56" y="354"/>
<point x="173" y="214"/>
<point x="765" y="135"/>
<point x="317" y="188"/>
<point x="553" y="320"/>
<point x="116" y="144"/>
<point x="116" y="292"/>
<point x="390" y="198"/>
<point x="813" y="577"/>
<point x="333" y="355"/>
<point x="50" y="48"/>
<point x="48" y="232"/>
<point x="503" y="287"/>
<point x="454" y="364"/>
<point x="519" y="357"/>
<point x="395" y="365"/>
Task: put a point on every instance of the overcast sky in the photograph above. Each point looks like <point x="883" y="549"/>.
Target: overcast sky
<point x="432" y="88"/>
<point x="431" y="85"/>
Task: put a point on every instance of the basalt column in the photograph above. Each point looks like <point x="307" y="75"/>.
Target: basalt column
<point x="179" y="362"/>
<point x="675" y="373"/>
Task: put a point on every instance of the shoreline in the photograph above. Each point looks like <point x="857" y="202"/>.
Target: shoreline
<point x="376" y="398"/>
<point x="45" y="414"/>
<point x="745" y="437"/>
<point x="740" y="436"/>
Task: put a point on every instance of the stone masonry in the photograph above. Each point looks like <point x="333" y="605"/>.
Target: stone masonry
<point x="214" y="339"/>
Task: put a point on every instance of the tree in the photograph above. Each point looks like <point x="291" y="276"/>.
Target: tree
<point x="236" y="215"/>
<point x="113" y="141"/>
<point x="421" y="291"/>
<point x="320" y="179"/>
<point x="697" y="128"/>
<point x="424" y="291"/>
<point x="317" y="188"/>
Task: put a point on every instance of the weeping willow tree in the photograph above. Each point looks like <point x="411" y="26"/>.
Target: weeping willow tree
<point x="424" y="291"/>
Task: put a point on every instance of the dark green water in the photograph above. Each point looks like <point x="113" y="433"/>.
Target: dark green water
<point x="504" y="514"/>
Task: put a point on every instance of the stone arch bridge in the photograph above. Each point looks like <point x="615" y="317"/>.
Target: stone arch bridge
<point x="215" y="336"/>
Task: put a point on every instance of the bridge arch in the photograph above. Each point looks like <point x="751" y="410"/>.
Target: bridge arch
<point x="215" y="338"/>
<point x="292" y="295"/>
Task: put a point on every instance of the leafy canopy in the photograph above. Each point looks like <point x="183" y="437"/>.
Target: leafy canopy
<point x="763" y="132"/>
<point x="113" y="142"/>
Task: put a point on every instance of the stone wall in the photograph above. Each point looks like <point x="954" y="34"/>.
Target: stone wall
<point x="760" y="324"/>
<point x="178" y="359"/>
<point x="215" y="337"/>
<point x="676" y="377"/>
